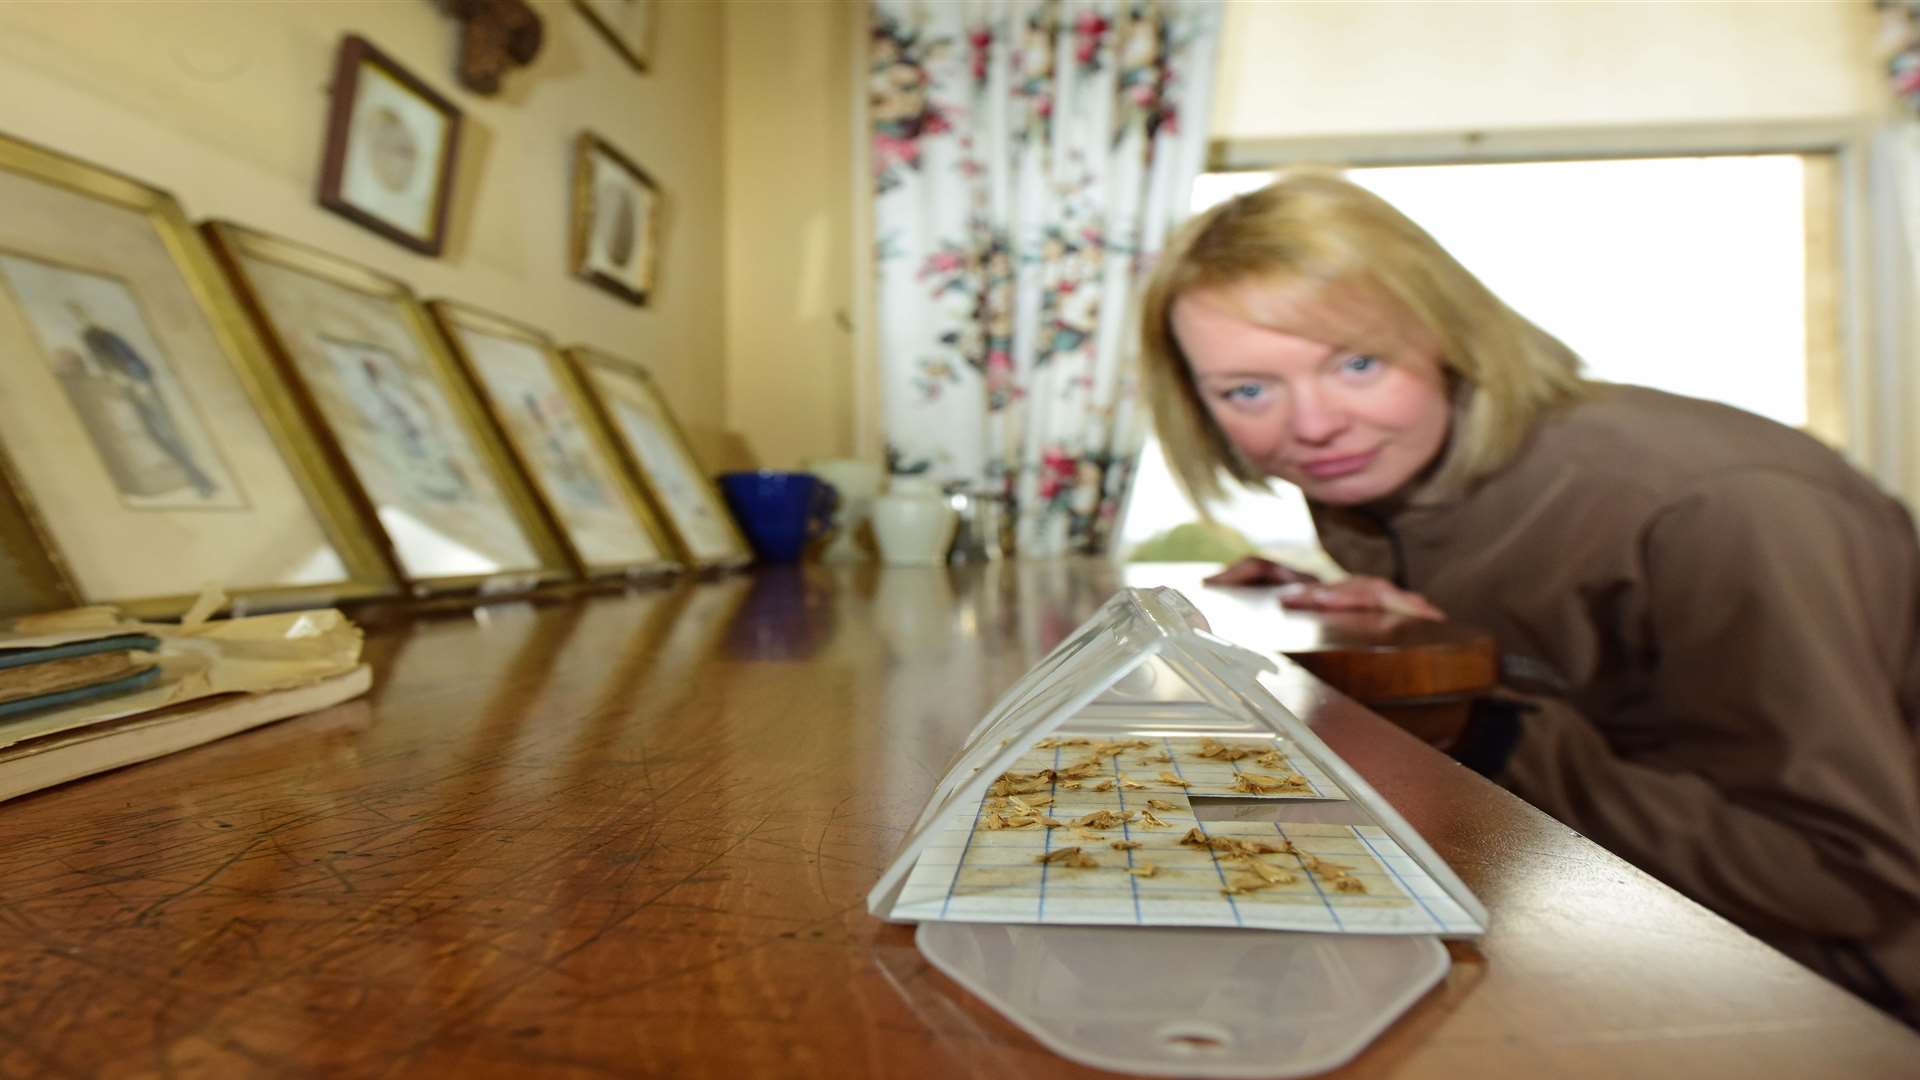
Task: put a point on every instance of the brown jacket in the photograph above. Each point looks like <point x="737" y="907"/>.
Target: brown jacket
<point x="1718" y="621"/>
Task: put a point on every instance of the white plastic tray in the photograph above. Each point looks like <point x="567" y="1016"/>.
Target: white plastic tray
<point x="1190" y="1002"/>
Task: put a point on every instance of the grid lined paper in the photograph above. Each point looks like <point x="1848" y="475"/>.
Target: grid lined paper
<point x="1365" y="883"/>
<point x="1137" y="765"/>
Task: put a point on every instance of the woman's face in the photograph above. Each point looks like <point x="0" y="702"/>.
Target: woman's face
<point x="1345" y="426"/>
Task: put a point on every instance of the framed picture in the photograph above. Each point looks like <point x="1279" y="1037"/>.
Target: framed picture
<point x="626" y="24"/>
<point x="391" y="146"/>
<point x="376" y="380"/>
<point x="656" y="449"/>
<point x="616" y="220"/>
<point x="147" y="451"/>
<point x="537" y="400"/>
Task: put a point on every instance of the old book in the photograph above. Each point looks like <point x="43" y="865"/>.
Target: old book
<point x="46" y="677"/>
<point x="60" y="756"/>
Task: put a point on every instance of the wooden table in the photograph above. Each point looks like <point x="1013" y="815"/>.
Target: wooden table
<point x="632" y="835"/>
<point x="1421" y="674"/>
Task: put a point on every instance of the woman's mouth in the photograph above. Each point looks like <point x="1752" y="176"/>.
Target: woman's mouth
<point x="1330" y="468"/>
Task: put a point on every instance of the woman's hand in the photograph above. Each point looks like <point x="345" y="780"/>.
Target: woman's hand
<point x="1358" y="594"/>
<point x="1254" y="570"/>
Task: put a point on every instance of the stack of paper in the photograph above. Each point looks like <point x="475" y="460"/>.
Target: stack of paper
<point x="83" y="691"/>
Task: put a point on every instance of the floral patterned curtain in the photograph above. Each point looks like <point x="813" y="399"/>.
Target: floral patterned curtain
<point x="1028" y="158"/>
<point x="1900" y="34"/>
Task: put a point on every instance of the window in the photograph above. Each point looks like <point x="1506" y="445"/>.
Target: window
<point x="1706" y="276"/>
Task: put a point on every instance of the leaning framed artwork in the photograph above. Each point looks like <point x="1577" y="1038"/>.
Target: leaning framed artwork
<point x="616" y="220"/>
<point x="371" y="371"/>
<point x="391" y="146"/>
<point x="656" y="448"/>
<point x="626" y="24"/>
<point x="537" y="401"/>
<point x="148" y="453"/>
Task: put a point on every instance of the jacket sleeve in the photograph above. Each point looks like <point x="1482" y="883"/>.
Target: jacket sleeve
<point x="1770" y="774"/>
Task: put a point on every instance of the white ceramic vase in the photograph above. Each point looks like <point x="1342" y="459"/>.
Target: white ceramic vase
<point x="913" y="524"/>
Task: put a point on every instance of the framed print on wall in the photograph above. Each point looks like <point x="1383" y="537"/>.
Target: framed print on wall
<point x="148" y="453"/>
<point x="537" y="401"/>
<point x="656" y="449"/>
<point x="616" y="220"/>
<point x="626" y="24"/>
<point x="390" y="151"/>
<point x="374" y="376"/>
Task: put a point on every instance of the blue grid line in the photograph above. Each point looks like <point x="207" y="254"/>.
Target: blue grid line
<point x="1222" y="874"/>
<point x="951" y="885"/>
<point x="1046" y="840"/>
<point x="1311" y="786"/>
<point x="1312" y="879"/>
<point x="1126" y="834"/>
<point x="1404" y="887"/>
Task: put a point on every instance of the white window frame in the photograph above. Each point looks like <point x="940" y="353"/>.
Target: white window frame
<point x="1876" y="389"/>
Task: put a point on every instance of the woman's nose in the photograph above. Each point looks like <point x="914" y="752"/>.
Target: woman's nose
<point x="1316" y="419"/>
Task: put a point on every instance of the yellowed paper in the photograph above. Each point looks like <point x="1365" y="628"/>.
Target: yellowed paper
<point x="247" y="655"/>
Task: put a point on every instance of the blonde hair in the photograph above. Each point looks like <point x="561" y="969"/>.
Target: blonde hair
<point x="1327" y="242"/>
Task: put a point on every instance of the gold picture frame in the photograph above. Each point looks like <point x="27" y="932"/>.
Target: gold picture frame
<point x="615" y="228"/>
<point x="655" y="447"/>
<point x="535" y="398"/>
<point x="143" y="437"/>
<point x="626" y="24"/>
<point x="375" y="378"/>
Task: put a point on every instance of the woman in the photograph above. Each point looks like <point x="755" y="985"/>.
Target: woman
<point x="1709" y="623"/>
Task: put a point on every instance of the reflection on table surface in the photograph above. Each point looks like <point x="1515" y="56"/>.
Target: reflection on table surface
<point x="632" y="834"/>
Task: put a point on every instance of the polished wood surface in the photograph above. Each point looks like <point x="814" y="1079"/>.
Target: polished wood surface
<point x="1421" y="674"/>
<point x="1379" y="658"/>
<point x="632" y="835"/>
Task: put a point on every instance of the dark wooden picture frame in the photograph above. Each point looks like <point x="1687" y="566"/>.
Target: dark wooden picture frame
<point x="627" y="266"/>
<point x="395" y="156"/>
<point x="633" y="42"/>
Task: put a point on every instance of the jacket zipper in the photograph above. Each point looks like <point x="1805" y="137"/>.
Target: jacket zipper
<point x="1399" y="553"/>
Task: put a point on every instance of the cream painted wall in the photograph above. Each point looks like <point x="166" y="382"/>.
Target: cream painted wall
<point x="224" y="104"/>
<point x="1289" y="70"/>
<point x="789" y="228"/>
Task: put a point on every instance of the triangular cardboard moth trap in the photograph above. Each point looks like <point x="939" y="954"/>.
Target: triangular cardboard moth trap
<point x="1146" y="665"/>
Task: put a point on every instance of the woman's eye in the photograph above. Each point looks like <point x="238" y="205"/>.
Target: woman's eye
<point x="1360" y="365"/>
<point x="1242" y="393"/>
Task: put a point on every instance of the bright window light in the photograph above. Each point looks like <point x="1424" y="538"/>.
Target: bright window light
<point x="1686" y="274"/>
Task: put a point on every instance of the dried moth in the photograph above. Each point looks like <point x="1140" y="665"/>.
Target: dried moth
<point x="1067" y="856"/>
<point x="1103" y="819"/>
<point x="1222" y="752"/>
<point x="1262" y="784"/>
